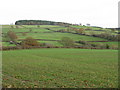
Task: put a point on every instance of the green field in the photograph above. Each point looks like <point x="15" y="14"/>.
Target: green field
<point x="58" y="36"/>
<point x="115" y="44"/>
<point x="60" y="68"/>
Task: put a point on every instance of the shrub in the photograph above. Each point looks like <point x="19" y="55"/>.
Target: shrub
<point x="107" y="46"/>
<point x="29" y="42"/>
<point x="107" y="36"/>
<point x="118" y="37"/>
<point x="80" y="31"/>
<point x="12" y="35"/>
<point x="94" y="45"/>
<point x="114" y="47"/>
<point x="85" y="43"/>
<point x="38" y="26"/>
<point x="17" y="26"/>
<point x="9" y="48"/>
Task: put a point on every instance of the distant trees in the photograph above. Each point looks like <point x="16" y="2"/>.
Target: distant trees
<point x="106" y="35"/>
<point x="97" y="45"/>
<point x="40" y="22"/>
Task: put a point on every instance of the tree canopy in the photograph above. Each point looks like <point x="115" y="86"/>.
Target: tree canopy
<point x="39" y="22"/>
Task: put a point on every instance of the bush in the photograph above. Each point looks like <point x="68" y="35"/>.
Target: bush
<point x="29" y="42"/>
<point x="9" y="48"/>
<point x="85" y="43"/>
<point x="114" y="47"/>
<point x="80" y="31"/>
<point x="38" y="26"/>
<point x="17" y="26"/>
<point x="107" y="36"/>
<point x="107" y="46"/>
<point x="12" y="35"/>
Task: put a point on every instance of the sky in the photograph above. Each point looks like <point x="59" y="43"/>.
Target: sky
<point x="103" y="13"/>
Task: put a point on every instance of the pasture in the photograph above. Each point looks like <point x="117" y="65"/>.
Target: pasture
<point x="49" y="32"/>
<point x="60" y="68"/>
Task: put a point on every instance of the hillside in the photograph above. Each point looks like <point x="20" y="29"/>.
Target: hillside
<point x="51" y="34"/>
<point x="71" y="56"/>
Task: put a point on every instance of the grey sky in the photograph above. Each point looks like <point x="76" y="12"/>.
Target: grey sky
<point x="102" y="13"/>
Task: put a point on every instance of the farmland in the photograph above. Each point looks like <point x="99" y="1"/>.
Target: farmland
<point x="52" y="34"/>
<point x="54" y="65"/>
<point x="60" y="68"/>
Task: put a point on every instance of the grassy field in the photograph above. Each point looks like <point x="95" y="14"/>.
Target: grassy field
<point x="60" y="68"/>
<point x="109" y="43"/>
<point x="58" y="36"/>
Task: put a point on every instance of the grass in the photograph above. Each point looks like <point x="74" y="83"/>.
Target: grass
<point x="7" y="44"/>
<point x="54" y="43"/>
<point x="5" y="30"/>
<point x="109" y="43"/>
<point x="60" y="68"/>
<point x="43" y="33"/>
<point x="58" y="36"/>
<point x="36" y="26"/>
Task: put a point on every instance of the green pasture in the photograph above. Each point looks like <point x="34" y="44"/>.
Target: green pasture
<point x="55" y="43"/>
<point x="17" y="30"/>
<point x="60" y="68"/>
<point x="58" y="36"/>
<point x="42" y="32"/>
<point x="7" y="44"/>
<point x="36" y="26"/>
<point x="52" y="43"/>
<point x="109" y="43"/>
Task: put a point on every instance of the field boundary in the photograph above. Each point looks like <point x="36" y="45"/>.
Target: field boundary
<point x="36" y="47"/>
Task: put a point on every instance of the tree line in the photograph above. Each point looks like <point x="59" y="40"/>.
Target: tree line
<point x="40" y="22"/>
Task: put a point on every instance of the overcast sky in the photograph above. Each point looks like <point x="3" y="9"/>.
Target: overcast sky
<point x="102" y="13"/>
